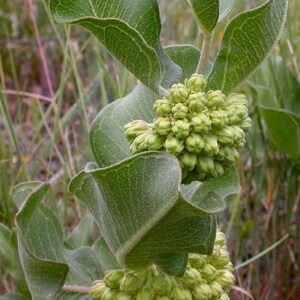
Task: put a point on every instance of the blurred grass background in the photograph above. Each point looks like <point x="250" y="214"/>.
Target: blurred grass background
<point x="53" y="81"/>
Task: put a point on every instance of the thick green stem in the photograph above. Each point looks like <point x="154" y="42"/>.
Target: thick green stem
<point x="76" y="289"/>
<point x="205" y="52"/>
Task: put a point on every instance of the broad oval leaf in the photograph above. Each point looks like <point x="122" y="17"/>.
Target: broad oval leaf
<point x="284" y="128"/>
<point x="107" y="138"/>
<point x="140" y="212"/>
<point x="206" y="13"/>
<point x="46" y="263"/>
<point x="247" y="40"/>
<point x="225" y="8"/>
<point x="129" y="29"/>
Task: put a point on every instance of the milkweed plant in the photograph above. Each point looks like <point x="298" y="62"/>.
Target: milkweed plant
<point x="164" y="159"/>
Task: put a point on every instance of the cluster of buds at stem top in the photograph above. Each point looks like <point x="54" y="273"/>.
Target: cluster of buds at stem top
<point x="203" y="129"/>
<point x="206" y="278"/>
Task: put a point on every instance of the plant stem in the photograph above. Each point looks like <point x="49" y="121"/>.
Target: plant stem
<point x="76" y="289"/>
<point x="163" y="92"/>
<point x="204" y="52"/>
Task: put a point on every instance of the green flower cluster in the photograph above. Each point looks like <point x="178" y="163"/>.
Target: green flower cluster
<point x="206" y="278"/>
<point x="203" y="129"/>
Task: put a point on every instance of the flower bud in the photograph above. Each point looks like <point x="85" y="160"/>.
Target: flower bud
<point x="98" y="290"/>
<point x="236" y="99"/>
<point x="144" y="294"/>
<point x="188" y="160"/>
<point x="220" y="239"/>
<point x="129" y="283"/>
<point x="222" y="260"/>
<point x="162" y="107"/>
<point x="224" y="296"/>
<point x="155" y="142"/>
<point x="239" y="134"/>
<point x="201" y="123"/>
<point x="225" y="278"/>
<point x="215" y="99"/>
<point x="194" y="143"/>
<point x="228" y="154"/>
<point x="202" y="291"/>
<point x="125" y="296"/>
<point x="110" y="294"/>
<point x="112" y="278"/>
<point x="196" y="83"/>
<point x="218" y="118"/>
<point x="208" y="272"/>
<point x="162" y="126"/>
<point x="246" y="124"/>
<point x="191" y="277"/>
<point x="206" y="164"/>
<point x="211" y="145"/>
<point x="226" y="135"/>
<point x="162" y="284"/>
<point x="216" y="289"/>
<point x="173" y="145"/>
<point x="179" y="93"/>
<point x="134" y="128"/>
<point x="229" y="266"/>
<point x="180" y="293"/>
<point x="196" y="103"/>
<point x="218" y="170"/>
<point x="181" y="129"/>
<point x="197" y="261"/>
<point x="180" y="111"/>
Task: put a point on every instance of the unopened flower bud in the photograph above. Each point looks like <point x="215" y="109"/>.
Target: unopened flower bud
<point x="129" y="283"/>
<point x="155" y="142"/>
<point x="162" y="284"/>
<point x="206" y="164"/>
<point x="191" y="277"/>
<point x="220" y="239"/>
<point x="236" y="99"/>
<point x="239" y="134"/>
<point x="180" y="111"/>
<point x="180" y="293"/>
<point x="211" y="145"/>
<point x="162" y="107"/>
<point x="141" y="142"/>
<point x="134" y="128"/>
<point x="98" y="290"/>
<point x="229" y="266"/>
<point x="194" y="142"/>
<point x="228" y="154"/>
<point x="188" y="160"/>
<point x="208" y="272"/>
<point x="215" y="98"/>
<point x="218" y="118"/>
<point x="196" y="83"/>
<point x="224" y="296"/>
<point x="197" y="261"/>
<point x="246" y="124"/>
<point x="162" y="126"/>
<point x="179" y="93"/>
<point x="226" y="135"/>
<point x="173" y="145"/>
<point x="216" y="289"/>
<point x="112" y="278"/>
<point x="125" y="296"/>
<point x="225" y="278"/>
<point x="202" y="291"/>
<point x="181" y="129"/>
<point x="144" y="294"/>
<point x="218" y="170"/>
<point x="196" y="103"/>
<point x="110" y="294"/>
<point x="201" y="123"/>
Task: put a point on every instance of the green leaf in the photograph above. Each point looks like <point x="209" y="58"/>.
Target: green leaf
<point x="225" y="8"/>
<point x="184" y="55"/>
<point x="247" y="40"/>
<point x="206" y="13"/>
<point x="107" y="138"/>
<point x="12" y="297"/>
<point x="137" y="205"/>
<point x="284" y="128"/>
<point x="46" y="263"/>
<point x="129" y="29"/>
